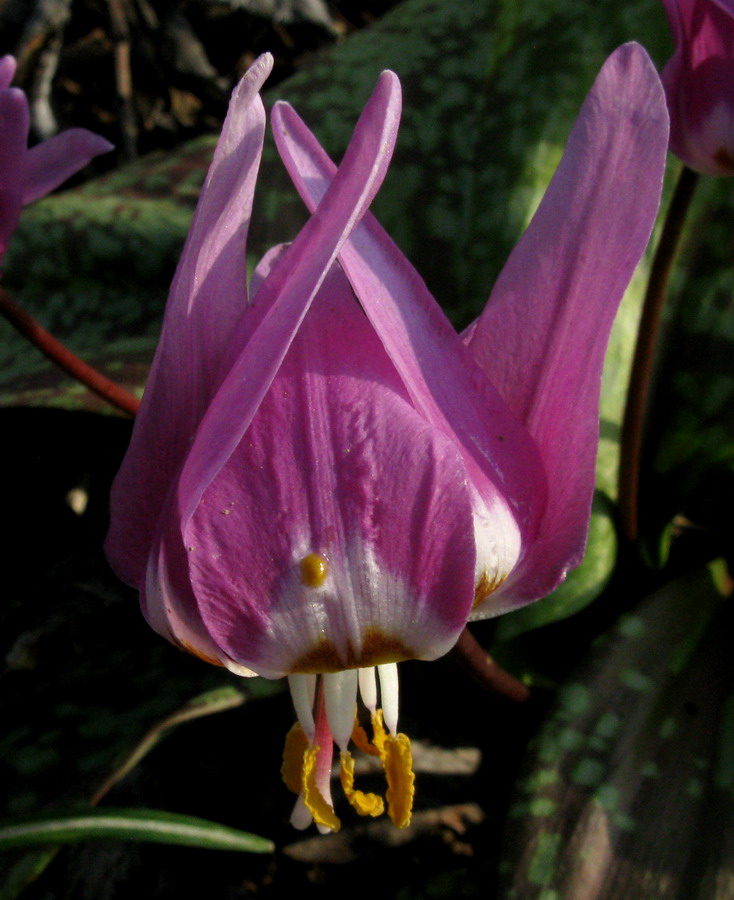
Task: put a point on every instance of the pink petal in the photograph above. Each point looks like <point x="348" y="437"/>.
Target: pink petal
<point x="542" y="336"/>
<point x="207" y="299"/>
<point x="14" y="123"/>
<point x="698" y="81"/>
<point x="49" y="164"/>
<point x="283" y="299"/>
<point x="263" y="335"/>
<point x="337" y="462"/>
<point x="444" y="382"/>
<point x="168" y="602"/>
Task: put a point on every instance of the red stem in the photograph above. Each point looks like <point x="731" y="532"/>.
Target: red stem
<point x="474" y="659"/>
<point x="644" y="358"/>
<point x="65" y="359"/>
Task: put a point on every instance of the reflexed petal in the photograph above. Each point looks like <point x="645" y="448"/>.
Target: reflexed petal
<point x="542" y="336"/>
<point x="337" y="463"/>
<point x="443" y="381"/>
<point x="49" y="164"/>
<point x="207" y="299"/>
<point x="284" y="298"/>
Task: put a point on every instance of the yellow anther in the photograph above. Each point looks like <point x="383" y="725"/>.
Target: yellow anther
<point x="361" y="741"/>
<point x="321" y="811"/>
<point x="398" y="764"/>
<point x="314" y="569"/>
<point x="365" y="804"/>
<point x="296" y="744"/>
<point x="378" y="732"/>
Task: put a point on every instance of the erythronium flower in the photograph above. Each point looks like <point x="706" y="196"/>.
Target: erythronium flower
<point x="325" y="479"/>
<point x="28" y="174"/>
<point x="699" y="83"/>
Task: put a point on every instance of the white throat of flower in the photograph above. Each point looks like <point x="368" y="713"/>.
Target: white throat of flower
<point x="327" y="711"/>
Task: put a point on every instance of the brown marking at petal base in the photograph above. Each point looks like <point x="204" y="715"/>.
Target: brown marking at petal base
<point x="377" y="648"/>
<point x="485" y="586"/>
<point x="194" y="652"/>
<point x="724" y="158"/>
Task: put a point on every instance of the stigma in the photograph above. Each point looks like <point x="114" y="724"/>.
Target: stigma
<point x="328" y="715"/>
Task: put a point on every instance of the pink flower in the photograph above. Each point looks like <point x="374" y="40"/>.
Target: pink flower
<point x="324" y="478"/>
<point x="28" y="174"/>
<point x="699" y="83"/>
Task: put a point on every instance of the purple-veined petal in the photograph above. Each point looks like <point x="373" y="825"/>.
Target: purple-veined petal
<point x="49" y="164"/>
<point x="7" y="71"/>
<point x="543" y="334"/>
<point x="207" y="299"/>
<point x="14" y="123"/>
<point x="169" y="604"/>
<point x="444" y="382"/>
<point x="336" y="462"/>
<point x="264" y="332"/>
<point x="284" y="297"/>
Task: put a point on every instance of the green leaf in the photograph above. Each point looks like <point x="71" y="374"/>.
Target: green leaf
<point x="690" y="464"/>
<point x="628" y="789"/>
<point x="128" y="825"/>
<point x="214" y="701"/>
<point x="491" y="91"/>
<point x="581" y="587"/>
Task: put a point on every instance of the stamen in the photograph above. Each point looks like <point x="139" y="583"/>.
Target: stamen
<point x="379" y="735"/>
<point x="317" y="771"/>
<point x="368" y="688"/>
<point x="303" y="690"/>
<point x="307" y="757"/>
<point x="398" y="763"/>
<point x="317" y="805"/>
<point x="361" y="741"/>
<point x="365" y="804"/>
<point x="296" y="745"/>
<point x="340" y="695"/>
<point x="389" y="695"/>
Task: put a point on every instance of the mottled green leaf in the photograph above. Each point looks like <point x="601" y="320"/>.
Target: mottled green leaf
<point x="491" y="90"/>
<point x="628" y="789"/>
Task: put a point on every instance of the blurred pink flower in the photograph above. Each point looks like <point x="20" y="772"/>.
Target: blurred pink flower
<point x="699" y="83"/>
<point x="324" y="479"/>
<point x="28" y="174"/>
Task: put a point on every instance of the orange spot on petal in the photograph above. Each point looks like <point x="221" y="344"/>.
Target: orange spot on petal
<point x="314" y="569"/>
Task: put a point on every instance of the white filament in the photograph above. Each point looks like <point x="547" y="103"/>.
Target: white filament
<point x="340" y="697"/>
<point x="303" y="690"/>
<point x="368" y="688"/>
<point x="389" y="695"/>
